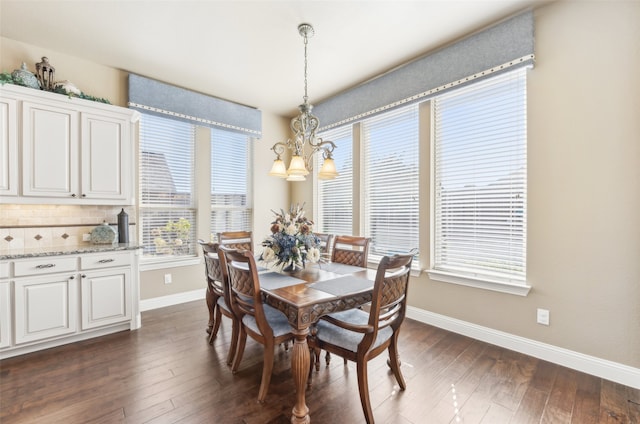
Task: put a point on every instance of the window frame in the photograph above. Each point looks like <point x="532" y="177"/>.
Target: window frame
<point x="484" y="281"/>
<point x="248" y="206"/>
<point x="148" y="261"/>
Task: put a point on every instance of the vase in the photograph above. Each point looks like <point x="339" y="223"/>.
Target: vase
<point x="291" y="266"/>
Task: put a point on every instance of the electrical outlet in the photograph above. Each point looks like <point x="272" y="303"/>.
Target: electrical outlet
<point x="86" y="237"/>
<point x="543" y="316"/>
<point x="167" y="278"/>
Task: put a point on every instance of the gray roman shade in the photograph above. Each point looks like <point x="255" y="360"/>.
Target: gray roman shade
<point x="499" y="48"/>
<point x="151" y="96"/>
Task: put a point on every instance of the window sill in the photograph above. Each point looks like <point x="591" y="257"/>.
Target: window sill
<point x="494" y="285"/>
<point x="152" y="264"/>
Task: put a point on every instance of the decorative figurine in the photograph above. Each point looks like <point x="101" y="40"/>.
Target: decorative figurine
<point x="24" y="77"/>
<point x="46" y="74"/>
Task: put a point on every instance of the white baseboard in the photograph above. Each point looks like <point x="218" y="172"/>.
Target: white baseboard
<point x="602" y="368"/>
<point x="172" y="299"/>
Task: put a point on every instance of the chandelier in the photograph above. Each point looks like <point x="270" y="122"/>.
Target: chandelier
<point x="305" y="143"/>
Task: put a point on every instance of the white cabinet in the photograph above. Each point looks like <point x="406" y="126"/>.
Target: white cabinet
<point x="74" y="151"/>
<point x="50" y="150"/>
<point x="106" y="291"/>
<point x="45" y="307"/>
<point x="106" y="297"/>
<point x="106" y="160"/>
<point x="52" y="300"/>
<point x="8" y="147"/>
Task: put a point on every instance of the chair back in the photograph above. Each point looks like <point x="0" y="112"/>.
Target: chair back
<point x="351" y="250"/>
<point x="212" y="266"/>
<point x="326" y="242"/>
<point x="244" y="287"/>
<point x="389" y="302"/>
<point x="240" y="240"/>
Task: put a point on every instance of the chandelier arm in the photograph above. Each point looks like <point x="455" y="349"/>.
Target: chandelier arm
<point x="279" y="149"/>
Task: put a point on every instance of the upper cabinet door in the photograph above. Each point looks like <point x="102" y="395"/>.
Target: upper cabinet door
<point x="50" y="150"/>
<point x="106" y="158"/>
<point x="8" y="147"/>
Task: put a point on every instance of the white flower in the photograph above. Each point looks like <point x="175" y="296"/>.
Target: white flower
<point x="291" y="230"/>
<point x="268" y="254"/>
<point x="178" y="242"/>
<point x="313" y="255"/>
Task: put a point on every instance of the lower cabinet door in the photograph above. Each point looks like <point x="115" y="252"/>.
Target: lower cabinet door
<point x="45" y="307"/>
<point x="5" y="315"/>
<point x="106" y="297"/>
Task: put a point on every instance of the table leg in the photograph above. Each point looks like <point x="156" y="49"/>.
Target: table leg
<point x="300" y="362"/>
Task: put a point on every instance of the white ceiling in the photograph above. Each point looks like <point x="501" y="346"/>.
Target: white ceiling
<point x="250" y="52"/>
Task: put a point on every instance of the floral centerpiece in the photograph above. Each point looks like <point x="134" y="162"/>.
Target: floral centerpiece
<point x="292" y="242"/>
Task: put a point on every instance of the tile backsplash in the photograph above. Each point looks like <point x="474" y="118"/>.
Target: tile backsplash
<point x="34" y="226"/>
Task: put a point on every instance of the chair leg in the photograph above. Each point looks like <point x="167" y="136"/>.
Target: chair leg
<point x="267" y="369"/>
<point x="327" y="358"/>
<point x="216" y="323"/>
<point x="210" y="305"/>
<point x="242" y="341"/>
<point x="363" y="387"/>
<point x="235" y="335"/>
<point x="394" y="362"/>
<point x="316" y="357"/>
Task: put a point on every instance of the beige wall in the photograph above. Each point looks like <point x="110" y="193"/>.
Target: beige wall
<point x="584" y="178"/>
<point x="583" y="247"/>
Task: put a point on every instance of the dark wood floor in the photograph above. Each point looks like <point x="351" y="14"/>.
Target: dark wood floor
<point x="166" y="372"/>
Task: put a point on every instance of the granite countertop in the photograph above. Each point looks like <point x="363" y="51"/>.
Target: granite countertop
<point x="65" y="250"/>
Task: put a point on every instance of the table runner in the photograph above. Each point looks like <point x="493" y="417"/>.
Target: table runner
<point x="339" y="268"/>
<point x="274" y="280"/>
<point x="343" y="285"/>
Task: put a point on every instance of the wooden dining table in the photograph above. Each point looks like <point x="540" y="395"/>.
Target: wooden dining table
<point x="304" y="295"/>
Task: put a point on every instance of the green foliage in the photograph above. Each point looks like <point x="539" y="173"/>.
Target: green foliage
<point x="7" y="78"/>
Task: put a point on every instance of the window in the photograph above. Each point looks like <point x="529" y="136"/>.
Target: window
<point x="386" y="178"/>
<point x="167" y="206"/>
<point x="334" y="205"/>
<point x="480" y="182"/>
<point x="230" y="181"/>
<point x="390" y="181"/>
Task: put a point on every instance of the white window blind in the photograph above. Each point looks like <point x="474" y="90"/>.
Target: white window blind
<point x="231" y="208"/>
<point x="481" y="180"/>
<point x="167" y="210"/>
<point x="334" y="206"/>
<point x="390" y="181"/>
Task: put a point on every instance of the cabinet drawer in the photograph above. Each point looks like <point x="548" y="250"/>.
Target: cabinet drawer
<point x="45" y="265"/>
<point x="105" y="260"/>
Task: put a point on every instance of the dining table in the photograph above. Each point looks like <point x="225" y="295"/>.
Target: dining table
<point x="306" y="294"/>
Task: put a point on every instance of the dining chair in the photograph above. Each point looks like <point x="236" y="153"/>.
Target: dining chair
<point x="351" y="250"/>
<point x="360" y="336"/>
<point x="263" y="323"/>
<point x="241" y="240"/>
<point x="326" y="243"/>
<point x="217" y="296"/>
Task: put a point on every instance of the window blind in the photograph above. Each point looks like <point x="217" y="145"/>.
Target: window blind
<point x="166" y="169"/>
<point x="390" y="180"/>
<point x="481" y="179"/>
<point x="231" y="208"/>
<point x="334" y="206"/>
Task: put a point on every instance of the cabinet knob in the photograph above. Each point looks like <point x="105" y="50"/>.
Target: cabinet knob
<point x="73" y="195"/>
<point x="73" y="277"/>
<point x="84" y="195"/>
<point x="84" y="275"/>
